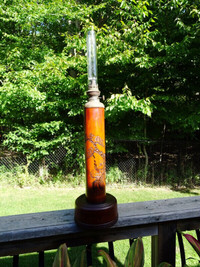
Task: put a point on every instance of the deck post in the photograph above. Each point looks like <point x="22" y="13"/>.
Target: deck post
<point x="154" y="251"/>
<point x="167" y="242"/>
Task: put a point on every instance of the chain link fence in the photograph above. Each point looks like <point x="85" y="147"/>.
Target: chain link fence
<point x="155" y="163"/>
<point x="158" y="163"/>
<point x="53" y="160"/>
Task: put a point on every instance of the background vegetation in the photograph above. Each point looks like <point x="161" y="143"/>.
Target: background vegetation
<point x="148" y="63"/>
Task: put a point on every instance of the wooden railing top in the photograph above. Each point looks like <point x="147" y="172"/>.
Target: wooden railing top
<point x="47" y="230"/>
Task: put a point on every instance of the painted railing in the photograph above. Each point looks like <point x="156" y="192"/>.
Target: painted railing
<point x="159" y="219"/>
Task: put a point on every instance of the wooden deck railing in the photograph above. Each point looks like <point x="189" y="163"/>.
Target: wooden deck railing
<point x="159" y="219"/>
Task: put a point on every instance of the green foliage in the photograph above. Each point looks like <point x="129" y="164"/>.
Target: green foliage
<point x="18" y="176"/>
<point x="62" y="258"/>
<point x="109" y="261"/>
<point x="115" y="175"/>
<point x="193" y="242"/>
<point x="39" y="96"/>
<point x="164" y="264"/>
<point x="135" y="256"/>
<point x="148" y="58"/>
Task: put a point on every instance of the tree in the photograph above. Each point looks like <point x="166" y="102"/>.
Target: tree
<point x="148" y="57"/>
<point x="40" y="100"/>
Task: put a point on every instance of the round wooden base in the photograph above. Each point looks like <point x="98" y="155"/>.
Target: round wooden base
<point x="96" y="216"/>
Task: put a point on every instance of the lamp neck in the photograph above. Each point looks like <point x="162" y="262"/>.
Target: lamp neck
<point x="93" y="94"/>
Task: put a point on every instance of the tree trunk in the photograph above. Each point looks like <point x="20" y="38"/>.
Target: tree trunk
<point x="146" y="165"/>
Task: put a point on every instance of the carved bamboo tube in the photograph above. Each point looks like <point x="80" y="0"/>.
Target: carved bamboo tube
<point x="95" y="154"/>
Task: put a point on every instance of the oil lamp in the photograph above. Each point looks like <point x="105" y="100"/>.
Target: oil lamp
<point x="95" y="209"/>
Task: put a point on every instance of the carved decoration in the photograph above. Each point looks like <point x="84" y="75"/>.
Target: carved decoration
<point x="97" y="174"/>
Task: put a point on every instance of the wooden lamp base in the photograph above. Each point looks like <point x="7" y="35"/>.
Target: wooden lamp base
<point x="96" y="216"/>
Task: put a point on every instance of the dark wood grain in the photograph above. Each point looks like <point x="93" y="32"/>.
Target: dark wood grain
<point x="167" y="242"/>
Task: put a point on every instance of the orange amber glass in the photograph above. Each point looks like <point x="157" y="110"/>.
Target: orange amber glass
<point x="95" y="154"/>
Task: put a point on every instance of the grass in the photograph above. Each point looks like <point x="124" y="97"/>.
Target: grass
<point x="15" y="200"/>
